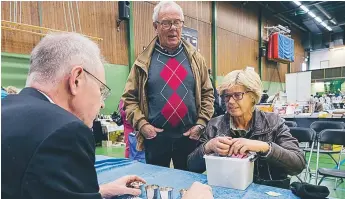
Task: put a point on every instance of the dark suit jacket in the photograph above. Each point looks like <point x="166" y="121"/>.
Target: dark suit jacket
<point x="46" y="152"/>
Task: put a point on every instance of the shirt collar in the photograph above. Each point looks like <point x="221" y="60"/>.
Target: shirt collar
<point x="166" y="51"/>
<point x="50" y="100"/>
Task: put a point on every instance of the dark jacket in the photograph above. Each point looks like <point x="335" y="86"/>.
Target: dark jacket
<point x="46" y="152"/>
<point x="284" y="159"/>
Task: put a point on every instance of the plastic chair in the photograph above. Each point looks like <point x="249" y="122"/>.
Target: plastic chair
<point x="336" y="136"/>
<point x="305" y="135"/>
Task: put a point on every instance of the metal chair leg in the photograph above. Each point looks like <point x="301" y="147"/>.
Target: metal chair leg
<point x="310" y="154"/>
<point x="317" y="162"/>
<point x="338" y="167"/>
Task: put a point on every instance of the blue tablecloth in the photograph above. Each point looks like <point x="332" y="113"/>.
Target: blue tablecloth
<point x="109" y="169"/>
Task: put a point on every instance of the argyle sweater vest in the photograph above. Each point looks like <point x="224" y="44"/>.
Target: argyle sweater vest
<point x="171" y="91"/>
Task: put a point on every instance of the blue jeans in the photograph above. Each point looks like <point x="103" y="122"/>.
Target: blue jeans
<point x="133" y="153"/>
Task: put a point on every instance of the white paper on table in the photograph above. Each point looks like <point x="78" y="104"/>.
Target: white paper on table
<point x="272" y="193"/>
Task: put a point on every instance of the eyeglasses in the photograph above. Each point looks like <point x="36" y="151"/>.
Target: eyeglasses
<point x="105" y="90"/>
<point x="235" y="95"/>
<point x="166" y="24"/>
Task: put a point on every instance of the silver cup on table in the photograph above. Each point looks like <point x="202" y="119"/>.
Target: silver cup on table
<point x="166" y="192"/>
<point x="141" y="186"/>
<point x="152" y="191"/>
<point x="182" y="192"/>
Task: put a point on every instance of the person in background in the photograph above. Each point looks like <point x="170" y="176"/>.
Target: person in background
<point x="264" y="97"/>
<point x="3" y="93"/>
<point x="168" y="95"/>
<point x="244" y="129"/>
<point x="12" y="90"/>
<point x="318" y="107"/>
<point x="130" y="138"/>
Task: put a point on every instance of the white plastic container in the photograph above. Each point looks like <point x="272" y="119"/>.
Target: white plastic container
<point x="229" y="172"/>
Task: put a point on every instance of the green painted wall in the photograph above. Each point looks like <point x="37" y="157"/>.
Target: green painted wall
<point x="15" y="67"/>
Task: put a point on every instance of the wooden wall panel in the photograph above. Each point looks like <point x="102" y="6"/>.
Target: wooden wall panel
<point x="296" y="66"/>
<point x="199" y="10"/>
<point x="143" y="27"/>
<point x="18" y="42"/>
<point x="232" y="16"/>
<point x="97" y="19"/>
<point x="237" y="37"/>
<point x="235" y="52"/>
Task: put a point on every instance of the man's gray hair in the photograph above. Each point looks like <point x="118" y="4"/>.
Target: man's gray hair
<point x="164" y="4"/>
<point x="57" y="53"/>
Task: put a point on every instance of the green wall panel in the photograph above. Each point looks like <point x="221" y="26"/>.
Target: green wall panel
<point x="15" y="67"/>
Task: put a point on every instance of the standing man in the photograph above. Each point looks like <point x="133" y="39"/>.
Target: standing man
<point x="168" y="95"/>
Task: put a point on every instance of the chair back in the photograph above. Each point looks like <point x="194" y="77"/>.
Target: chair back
<point x="332" y="136"/>
<point x="319" y="126"/>
<point x="291" y="124"/>
<point x="303" y="134"/>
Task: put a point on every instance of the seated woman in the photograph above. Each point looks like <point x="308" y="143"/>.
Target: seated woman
<point x="245" y="129"/>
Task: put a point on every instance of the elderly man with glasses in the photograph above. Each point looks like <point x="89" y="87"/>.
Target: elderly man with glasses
<point x="168" y="96"/>
<point x="48" y="149"/>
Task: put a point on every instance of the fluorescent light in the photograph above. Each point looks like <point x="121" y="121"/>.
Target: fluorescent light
<point x="328" y="28"/>
<point x="297" y="3"/>
<point x="312" y="14"/>
<point x="304" y="8"/>
<point x="324" y="24"/>
<point x="333" y="22"/>
<point x="318" y="19"/>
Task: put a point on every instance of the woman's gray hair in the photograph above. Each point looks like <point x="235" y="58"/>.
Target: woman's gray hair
<point x="56" y="54"/>
<point x="164" y="4"/>
<point x="247" y="78"/>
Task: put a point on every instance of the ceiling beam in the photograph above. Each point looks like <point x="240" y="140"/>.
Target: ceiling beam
<point x="298" y="7"/>
<point x="282" y="17"/>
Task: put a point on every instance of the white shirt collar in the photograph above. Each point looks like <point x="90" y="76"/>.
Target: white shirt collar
<point x="50" y="100"/>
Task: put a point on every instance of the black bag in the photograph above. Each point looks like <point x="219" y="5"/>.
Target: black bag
<point x="116" y="117"/>
<point x="309" y="191"/>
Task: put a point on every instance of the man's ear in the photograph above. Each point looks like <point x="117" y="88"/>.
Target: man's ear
<point x="155" y="27"/>
<point x="76" y="79"/>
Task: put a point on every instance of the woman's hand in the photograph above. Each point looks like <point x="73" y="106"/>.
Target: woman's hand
<point x="219" y="145"/>
<point x="243" y="146"/>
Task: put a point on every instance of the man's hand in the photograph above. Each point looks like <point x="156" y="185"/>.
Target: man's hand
<point x="119" y="187"/>
<point x="194" y="133"/>
<point x="198" y="191"/>
<point x="150" y="131"/>
<point x="219" y="145"/>
<point x="243" y="145"/>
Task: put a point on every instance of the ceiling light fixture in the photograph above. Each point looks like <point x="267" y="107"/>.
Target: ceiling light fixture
<point x="311" y="14"/>
<point x="304" y="8"/>
<point x="318" y="19"/>
<point x="297" y="3"/>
